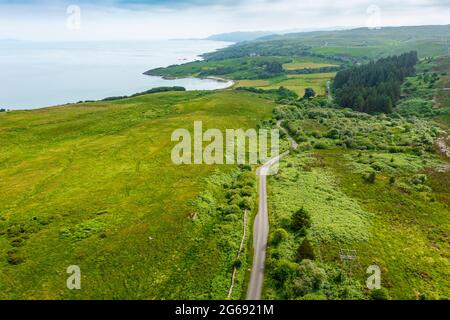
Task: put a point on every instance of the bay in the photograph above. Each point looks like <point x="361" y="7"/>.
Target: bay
<point x="41" y="74"/>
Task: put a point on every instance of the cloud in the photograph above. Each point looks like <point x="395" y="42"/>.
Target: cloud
<point x="157" y="19"/>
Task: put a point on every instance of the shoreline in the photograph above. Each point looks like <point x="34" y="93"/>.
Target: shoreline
<point x="218" y="79"/>
<point x="83" y="98"/>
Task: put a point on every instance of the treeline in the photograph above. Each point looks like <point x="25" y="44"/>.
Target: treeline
<point x="281" y="93"/>
<point x="376" y="86"/>
<point x="314" y="70"/>
<point x="260" y="69"/>
<point x="260" y="48"/>
<point x="153" y="90"/>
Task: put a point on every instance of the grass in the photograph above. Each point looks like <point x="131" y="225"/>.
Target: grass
<point x="93" y="185"/>
<point x="310" y="62"/>
<point x="407" y="239"/>
<point x="296" y="83"/>
<point x="400" y="229"/>
<point x="335" y="217"/>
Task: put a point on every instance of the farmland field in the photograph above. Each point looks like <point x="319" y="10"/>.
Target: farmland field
<point x="297" y="83"/>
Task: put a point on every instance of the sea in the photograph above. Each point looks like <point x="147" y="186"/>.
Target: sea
<point x="41" y="74"/>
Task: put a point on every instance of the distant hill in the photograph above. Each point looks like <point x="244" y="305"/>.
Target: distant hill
<point x="359" y="43"/>
<point x="240" y="36"/>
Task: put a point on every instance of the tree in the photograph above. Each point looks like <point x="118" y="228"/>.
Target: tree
<point x="274" y="67"/>
<point x="376" y="86"/>
<point x="305" y="251"/>
<point x="309" y="93"/>
<point x="301" y="221"/>
<point x="359" y="103"/>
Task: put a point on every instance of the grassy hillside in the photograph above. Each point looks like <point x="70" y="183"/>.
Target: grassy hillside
<point x="240" y="68"/>
<point x="93" y="185"/>
<point x="355" y="44"/>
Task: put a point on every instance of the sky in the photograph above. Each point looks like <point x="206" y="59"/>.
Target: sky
<point x="81" y="20"/>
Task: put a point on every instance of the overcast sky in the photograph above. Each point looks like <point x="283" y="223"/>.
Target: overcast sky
<point x="164" y="19"/>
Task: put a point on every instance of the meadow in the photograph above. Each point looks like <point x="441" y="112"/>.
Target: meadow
<point x="93" y="185"/>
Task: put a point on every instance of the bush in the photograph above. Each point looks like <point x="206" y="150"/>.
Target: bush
<point x="379" y="294"/>
<point x="301" y="221"/>
<point x="247" y="191"/>
<point x="246" y="203"/>
<point x="231" y="209"/>
<point x="237" y="263"/>
<point x="370" y="177"/>
<point x="418" y="179"/>
<point x="279" y="235"/>
<point x="305" y="251"/>
<point x="284" y="270"/>
<point x="320" y="146"/>
<point x="314" y="297"/>
<point x="309" y="93"/>
<point x="333" y="134"/>
<point x="392" y="180"/>
<point x="311" y="278"/>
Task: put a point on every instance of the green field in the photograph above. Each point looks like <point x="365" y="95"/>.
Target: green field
<point x="297" y="83"/>
<point x="309" y="62"/>
<point x="93" y="185"/>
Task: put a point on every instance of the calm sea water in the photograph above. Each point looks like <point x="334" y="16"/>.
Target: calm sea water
<point x="34" y="75"/>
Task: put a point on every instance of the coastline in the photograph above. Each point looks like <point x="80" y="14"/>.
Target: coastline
<point x="110" y="78"/>
<point x="230" y="82"/>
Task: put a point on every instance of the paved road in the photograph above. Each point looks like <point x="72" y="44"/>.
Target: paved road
<point x="261" y="228"/>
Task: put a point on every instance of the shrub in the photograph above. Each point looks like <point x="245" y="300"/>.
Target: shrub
<point x="379" y="294"/>
<point x="333" y="134"/>
<point x="311" y="278"/>
<point x="305" y="251"/>
<point x="284" y="270"/>
<point x="309" y="93"/>
<point x="301" y="221"/>
<point x="314" y="296"/>
<point x="392" y="180"/>
<point x="13" y="258"/>
<point x="418" y="179"/>
<point x="237" y="263"/>
<point x="279" y="235"/>
<point x="247" y="191"/>
<point x="231" y="209"/>
<point x="320" y="146"/>
<point x="370" y="177"/>
<point x="246" y="203"/>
